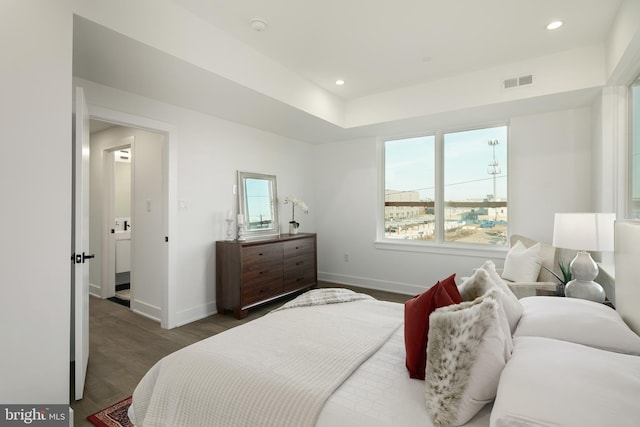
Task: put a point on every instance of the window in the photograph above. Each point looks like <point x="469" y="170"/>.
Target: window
<point x="410" y="188"/>
<point x="459" y="195"/>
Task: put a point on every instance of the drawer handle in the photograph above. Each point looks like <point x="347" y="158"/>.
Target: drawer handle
<point x="299" y="263"/>
<point x="260" y="254"/>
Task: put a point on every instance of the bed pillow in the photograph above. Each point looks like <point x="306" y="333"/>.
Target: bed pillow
<point x="579" y="321"/>
<point x="416" y="322"/>
<point x="481" y="282"/>
<point x="522" y="264"/>
<point x="556" y="383"/>
<point x="466" y="352"/>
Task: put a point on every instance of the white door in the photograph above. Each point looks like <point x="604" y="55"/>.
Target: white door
<point x="80" y="275"/>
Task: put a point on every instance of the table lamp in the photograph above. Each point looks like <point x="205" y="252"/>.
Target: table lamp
<point x="584" y="232"/>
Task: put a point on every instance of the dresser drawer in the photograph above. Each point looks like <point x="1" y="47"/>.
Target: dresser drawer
<point x="261" y="273"/>
<point x="301" y="261"/>
<point x="296" y="247"/>
<point x="261" y="290"/>
<point x="260" y="255"/>
<point x="299" y="278"/>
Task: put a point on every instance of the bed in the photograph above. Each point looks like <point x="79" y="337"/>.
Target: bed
<point x="333" y="357"/>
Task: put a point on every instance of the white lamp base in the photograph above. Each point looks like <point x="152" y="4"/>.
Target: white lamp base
<point x="584" y="270"/>
<point x="584" y="289"/>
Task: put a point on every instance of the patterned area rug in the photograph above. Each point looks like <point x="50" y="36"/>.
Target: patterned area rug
<point x="113" y="416"/>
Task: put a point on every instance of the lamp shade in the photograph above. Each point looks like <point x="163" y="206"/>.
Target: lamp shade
<point x="584" y="231"/>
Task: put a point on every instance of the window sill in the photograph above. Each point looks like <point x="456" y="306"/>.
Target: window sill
<point x="468" y="250"/>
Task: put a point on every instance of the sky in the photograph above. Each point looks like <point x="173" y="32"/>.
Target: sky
<point x="409" y="164"/>
<point x="258" y="195"/>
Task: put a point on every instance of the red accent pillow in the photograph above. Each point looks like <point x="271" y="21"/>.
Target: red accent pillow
<point x="416" y="322"/>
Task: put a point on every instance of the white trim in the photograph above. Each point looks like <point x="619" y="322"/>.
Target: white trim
<point x="379" y="285"/>
<point x="95" y="290"/>
<point x="380" y="144"/>
<point x="196" y="313"/>
<point x="146" y="310"/>
<point x="453" y="249"/>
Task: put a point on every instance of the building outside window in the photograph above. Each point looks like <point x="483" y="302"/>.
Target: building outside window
<point x="447" y="188"/>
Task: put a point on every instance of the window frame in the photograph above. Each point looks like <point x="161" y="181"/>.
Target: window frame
<point x="438" y="244"/>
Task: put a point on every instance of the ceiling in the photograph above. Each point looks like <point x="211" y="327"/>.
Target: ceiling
<point x="373" y="46"/>
<point x="377" y="46"/>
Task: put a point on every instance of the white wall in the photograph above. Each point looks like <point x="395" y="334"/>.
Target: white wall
<point x="148" y="230"/>
<point x="550" y="170"/>
<point x="209" y="153"/>
<point x="122" y="189"/>
<point x="549" y="164"/>
<point x="35" y="189"/>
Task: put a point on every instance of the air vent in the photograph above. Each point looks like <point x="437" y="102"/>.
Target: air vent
<point x="509" y="83"/>
<point x="518" y="81"/>
<point x="525" y="80"/>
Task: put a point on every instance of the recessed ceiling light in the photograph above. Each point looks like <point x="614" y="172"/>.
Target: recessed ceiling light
<point x="339" y="82"/>
<point x="554" y="25"/>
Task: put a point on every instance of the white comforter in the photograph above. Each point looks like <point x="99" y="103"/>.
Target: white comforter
<point x="275" y="371"/>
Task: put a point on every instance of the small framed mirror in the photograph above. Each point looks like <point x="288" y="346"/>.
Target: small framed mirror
<point x="258" y="204"/>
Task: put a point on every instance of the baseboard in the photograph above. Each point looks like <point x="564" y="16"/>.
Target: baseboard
<point x="195" y="313"/>
<point x="378" y="285"/>
<point x="95" y="290"/>
<point x="146" y="310"/>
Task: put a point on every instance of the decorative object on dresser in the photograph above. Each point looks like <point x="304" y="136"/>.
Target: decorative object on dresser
<point x="252" y="272"/>
<point x="257" y="205"/>
<point x="229" y="229"/>
<point x="294" y="201"/>
<point x="584" y="232"/>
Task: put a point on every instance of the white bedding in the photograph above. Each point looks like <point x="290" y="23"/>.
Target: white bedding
<point x="258" y="375"/>
<point x="381" y="394"/>
<point x="343" y="364"/>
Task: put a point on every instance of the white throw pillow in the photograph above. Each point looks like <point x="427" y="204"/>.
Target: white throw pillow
<point x="510" y="301"/>
<point x="579" y="321"/>
<point x="466" y="352"/>
<point x="556" y="383"/>
<point x="481" y="281"/>
<point x="522" y="264"/>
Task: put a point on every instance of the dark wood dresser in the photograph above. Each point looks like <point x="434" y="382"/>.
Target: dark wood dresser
<point x="252" y="272"/>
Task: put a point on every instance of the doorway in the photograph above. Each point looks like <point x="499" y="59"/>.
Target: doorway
<point x="118" y="198"/>
<point x="129" y="210"/>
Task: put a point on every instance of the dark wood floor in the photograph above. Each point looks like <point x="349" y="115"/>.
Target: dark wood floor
<point x="124" y="345"/>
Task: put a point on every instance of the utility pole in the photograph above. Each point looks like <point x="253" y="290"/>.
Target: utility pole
<point x="494" y="169"/>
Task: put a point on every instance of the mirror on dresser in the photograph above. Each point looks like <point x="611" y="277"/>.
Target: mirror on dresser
<point x="258" y="204"/>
